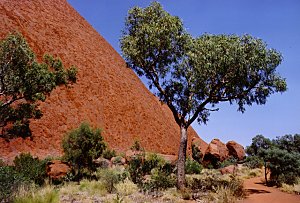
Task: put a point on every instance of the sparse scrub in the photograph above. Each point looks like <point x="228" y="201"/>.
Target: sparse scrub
<point x="127" y="187"/>
<point x="41" y="195"/>
<point x="192" y="167"/>
<point x="110" y="177"/>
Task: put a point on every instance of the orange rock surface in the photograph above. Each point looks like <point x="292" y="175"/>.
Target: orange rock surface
<point x="108" y="94"/>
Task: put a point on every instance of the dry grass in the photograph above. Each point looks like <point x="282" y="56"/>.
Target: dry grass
<point x="126" y="188"/>
<point x="246" y="173"/>
<point x="45" y="194"/>
<point x="294" y="189"/>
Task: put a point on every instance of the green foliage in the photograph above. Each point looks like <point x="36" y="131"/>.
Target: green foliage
<point x="212" y="181"/>
<point x="81" y="146"/>
<point x="192" y="75"/>
<point x="228" y="162"/>
<point x="259" y="142"/>
<point x="110" y="177"/>
<point x="192" y="167"/>
<point x="10" y="181"/>
<point x="135" y="169"/>
<point x="160" y="179"/>
<point x="31" y="168"/>
<point x="108" y="153"/>
<point x="25" y="83"/>
<point x="289" y="143"/>
<point x="280" y="156"/>
<point x="253" y="162"/>
<point x="284" y="165"/>
<point x="196" y="153"/>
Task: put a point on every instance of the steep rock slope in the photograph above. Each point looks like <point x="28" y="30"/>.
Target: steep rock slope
<point x="107" y="94"/>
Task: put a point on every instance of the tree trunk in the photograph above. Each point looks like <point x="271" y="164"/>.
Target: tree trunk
<point x="266" y="179"/>
<point x="181" y="158"/>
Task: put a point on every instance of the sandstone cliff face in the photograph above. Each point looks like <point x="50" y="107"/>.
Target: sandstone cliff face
<point x="107" y="94"/>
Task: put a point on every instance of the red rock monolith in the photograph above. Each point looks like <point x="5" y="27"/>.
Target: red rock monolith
<point x="108" y="95"/>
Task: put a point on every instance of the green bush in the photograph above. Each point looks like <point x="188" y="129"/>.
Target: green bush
<point x="135" y="169"/>
<point x="137" y="146"/>
<point x="81" y="146"/>
<point x="10" y="181"/>
<point x="160" y="180"/>
<point x="110" y="177"/>
<point x="108" y="153"/>
<point x="253" y="162"/>
<point x="213" y="180"/>
<point x="31" y="168"/>
<point x="228" y="162"/>
<point x="284" y="166"/>
<point x="196" y="153"/>
<point x="192" y="167"/>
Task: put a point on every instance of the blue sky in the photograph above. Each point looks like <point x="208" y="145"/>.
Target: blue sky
<point x="276" y="22"/>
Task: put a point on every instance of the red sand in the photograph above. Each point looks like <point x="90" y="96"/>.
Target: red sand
<point x="259" y="193"/>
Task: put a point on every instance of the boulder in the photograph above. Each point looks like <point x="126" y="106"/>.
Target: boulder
<point x="228" y="170"/>
<point x="172" y="159"/>
<point x="216" y="151"/>
<point x="236" y="150"/>
<point x="56" y="169"/>
<point x="131" y="154"/>
<point x="102" y="162"/>
<point x="118" y="160"/>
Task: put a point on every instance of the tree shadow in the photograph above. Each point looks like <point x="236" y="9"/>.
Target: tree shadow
<point x="256" y="191"/>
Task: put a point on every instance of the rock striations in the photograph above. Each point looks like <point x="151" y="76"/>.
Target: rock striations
<point x="107" y="94"/>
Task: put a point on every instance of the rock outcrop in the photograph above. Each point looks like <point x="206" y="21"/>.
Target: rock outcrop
<point x="215" y="152"/>
<point x="57" y="169"/>
<point x="236" y="150"/>
<point x="108" y="94"/>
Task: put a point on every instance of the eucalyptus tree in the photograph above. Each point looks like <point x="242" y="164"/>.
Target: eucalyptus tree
<point x="192" y="75"/>
<point x="24" y="83"/>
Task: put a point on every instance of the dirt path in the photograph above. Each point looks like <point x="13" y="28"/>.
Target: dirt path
<point x="259" y="193"/>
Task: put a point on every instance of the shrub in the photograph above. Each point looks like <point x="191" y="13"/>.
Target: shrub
<point x="152" y="161"/>
<point x="110" y="177"/>
<point x="108" y="153"/>
<point x="137" y="146"/>
<point x="209" y="180"/>
<point x="127" y="187"/>
<point x="196" y="153"/>
<point x="135" y="169"/>
<point x="253" y="162"/>
<point x="228" y="162"/>
<point x="192" y="167"/>
<point x="81" y="146"/>
<point x="284" y="165"/>
<point x="2" y="163"/>
<point x="10" y="181"/>
<point x="160" y="180"/>
<point x="31" y="168"/>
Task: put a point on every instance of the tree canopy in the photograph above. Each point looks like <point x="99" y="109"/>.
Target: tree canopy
<point x="193" y="74"/>
<point x="24" y="82"/>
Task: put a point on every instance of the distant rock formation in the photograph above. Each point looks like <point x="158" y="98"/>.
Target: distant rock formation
<point x="217" y="151"/>
<point x="108" y="94"/>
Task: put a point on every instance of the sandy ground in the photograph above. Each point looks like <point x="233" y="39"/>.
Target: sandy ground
<point x="259" y="193"/>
